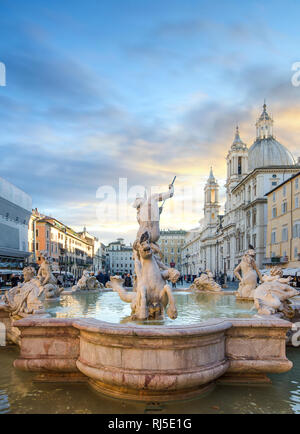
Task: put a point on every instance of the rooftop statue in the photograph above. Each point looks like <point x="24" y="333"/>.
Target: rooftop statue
<point x="87" y="283"/>
<point x="272" y="296"/>
<point x="151" y="293"/>
<point x="206" y="282"/>
<point x="250" y="272"/>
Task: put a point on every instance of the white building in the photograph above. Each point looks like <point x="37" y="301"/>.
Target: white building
<point x="120" y="258"/>
<point x="251" y="173"/>
<point x="15" y="212"/>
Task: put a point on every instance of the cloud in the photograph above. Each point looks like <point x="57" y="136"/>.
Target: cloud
<point x="169" y="107"/>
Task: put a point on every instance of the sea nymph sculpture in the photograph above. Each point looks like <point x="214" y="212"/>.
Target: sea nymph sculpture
<point x="272" y="297"/>
<point x="152" y="294"/>
<point x="206" y="282"/>
<point x="250" y="272"/>
<point x="27" y="298"/>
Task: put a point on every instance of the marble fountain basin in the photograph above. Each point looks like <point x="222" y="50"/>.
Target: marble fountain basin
<point x="156" y="362"/>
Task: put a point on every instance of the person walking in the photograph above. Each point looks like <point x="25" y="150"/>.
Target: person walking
<point x="14" y="280"/>
<point x="101" y="277"/>
<point x="128" y="282"/>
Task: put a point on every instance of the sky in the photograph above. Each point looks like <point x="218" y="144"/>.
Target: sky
<point x="139" y="90"/>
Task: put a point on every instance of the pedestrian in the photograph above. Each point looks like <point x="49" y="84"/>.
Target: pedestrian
<point x="101" y="277"/>
<point x="14" y="280"/>
<point x="128" y="282"/>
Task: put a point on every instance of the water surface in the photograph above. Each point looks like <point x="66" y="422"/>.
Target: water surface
<point x="20" y="394"/>
<point x="192" y="308"/>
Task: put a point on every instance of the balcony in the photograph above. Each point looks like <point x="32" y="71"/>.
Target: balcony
<point x="276" y="260"/>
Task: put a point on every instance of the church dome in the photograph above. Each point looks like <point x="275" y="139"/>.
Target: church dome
<point x="266" y="150"/>
<point x="269" y="152"/>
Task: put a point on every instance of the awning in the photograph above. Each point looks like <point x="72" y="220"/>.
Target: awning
<point x="14" y="253"/>
<point x="19" y="272"/>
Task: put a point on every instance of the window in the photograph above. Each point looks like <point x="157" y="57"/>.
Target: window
<point x="284" y="207"/>
<point x="274" y="183"/>
<point x="296" y="230"/>
<point x="274" y="212"/>
<point x="284" y="234"/>
<point x="274" y="196"/>
<point x="239" y="165"/>
<point x="273" y="237"/>
<point x="296" y="253"/>
<point x="284" y="190"/>
<point x="297" y="183"/>
<point x="297" y="202"/>
<point x="248" y="218"/>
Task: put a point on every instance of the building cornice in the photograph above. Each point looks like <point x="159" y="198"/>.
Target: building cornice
<point x="268" y="169"/>
<point x="254" y="202"/>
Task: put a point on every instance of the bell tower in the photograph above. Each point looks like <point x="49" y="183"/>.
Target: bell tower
<point x="211" y="200"/>
<point x="237" y="165"/>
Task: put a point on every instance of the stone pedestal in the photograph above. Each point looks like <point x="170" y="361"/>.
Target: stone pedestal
<point x="152" y="363"/>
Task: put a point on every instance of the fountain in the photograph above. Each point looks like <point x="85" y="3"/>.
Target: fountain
<point x="87" y="283"/>
<point x="206" y="283"/>
<point x="146" y="358"/>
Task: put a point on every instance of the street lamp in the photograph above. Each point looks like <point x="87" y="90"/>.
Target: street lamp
<point x="187" y="263"/>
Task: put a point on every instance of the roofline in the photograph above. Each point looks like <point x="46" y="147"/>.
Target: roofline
<point x="284" y="182"/>
<point x="69" y="231"/>
<point x="292" y="166"/>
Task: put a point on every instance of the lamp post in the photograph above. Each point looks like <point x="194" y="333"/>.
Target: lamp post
<point x="187" y="265"/>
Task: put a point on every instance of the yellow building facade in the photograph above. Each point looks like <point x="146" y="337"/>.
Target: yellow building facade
<point x="171" y="243"/>
<point x="283" y="228"/>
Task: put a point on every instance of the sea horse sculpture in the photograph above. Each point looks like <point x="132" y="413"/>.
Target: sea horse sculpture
<point x="152" y="294"/>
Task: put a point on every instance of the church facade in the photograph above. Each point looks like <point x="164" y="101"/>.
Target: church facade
<point x="251" y="174"/>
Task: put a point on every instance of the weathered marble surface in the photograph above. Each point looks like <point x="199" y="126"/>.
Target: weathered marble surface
<point x="152" y="294"/>
<point x="152" y="363"/>
<point x="46" y="279"/>
<point x="250" y="272"/>
<point x="256" y="347"/>
<point x="26" y="298"/>
<point x="272" y="297"/>
<point x="87" y="283"/>
<point x="48" y="345"/>
<point x="206" y="283"/>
